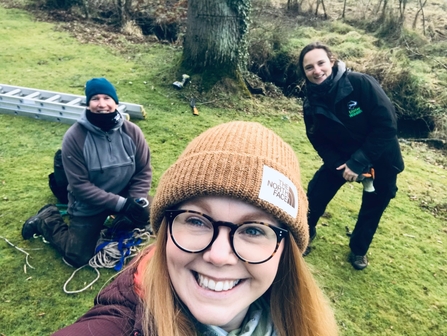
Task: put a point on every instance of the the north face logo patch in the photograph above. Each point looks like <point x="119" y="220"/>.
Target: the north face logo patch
<point x="277" y="189"/>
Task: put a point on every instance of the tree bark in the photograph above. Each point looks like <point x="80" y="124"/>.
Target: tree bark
<point x="123" y="7"/>
<point x="215" y="37"/>
<point x="293" y="6"/>
<point x="318" y="6"/>
<point x="420" y="10"/>
<point x="402" y="7"/>
<point x="84" y="4"/>
<point x="384" y="7"/>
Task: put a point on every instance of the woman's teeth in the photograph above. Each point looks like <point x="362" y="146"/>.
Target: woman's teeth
<point x="216" y="286"/>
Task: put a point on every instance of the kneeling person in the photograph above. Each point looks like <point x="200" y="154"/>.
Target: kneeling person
<point x="107" y="163"/>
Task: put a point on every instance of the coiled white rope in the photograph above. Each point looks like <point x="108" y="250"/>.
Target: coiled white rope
<point x="112" y="255"/>
<point x="108" y="257"/>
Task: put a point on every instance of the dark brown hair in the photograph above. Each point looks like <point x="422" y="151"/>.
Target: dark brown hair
<point x="312" y="46"/>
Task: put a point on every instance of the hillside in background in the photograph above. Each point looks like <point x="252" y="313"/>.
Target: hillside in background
<point x="399" y="43"/>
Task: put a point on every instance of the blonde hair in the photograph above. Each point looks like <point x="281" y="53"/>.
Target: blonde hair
<point x="298" y="307"/>
<point x="162" y="311"/>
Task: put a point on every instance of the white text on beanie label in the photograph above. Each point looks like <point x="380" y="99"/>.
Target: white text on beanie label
<point x="277" y="189"/>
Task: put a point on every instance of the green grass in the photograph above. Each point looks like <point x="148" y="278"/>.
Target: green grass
<point x="402" y="292"/>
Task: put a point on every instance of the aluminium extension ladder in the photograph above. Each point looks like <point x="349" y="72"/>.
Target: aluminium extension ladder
<point x="53" y="106"/>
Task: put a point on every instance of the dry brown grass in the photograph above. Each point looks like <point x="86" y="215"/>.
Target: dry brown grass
<point x="434" y="13"/>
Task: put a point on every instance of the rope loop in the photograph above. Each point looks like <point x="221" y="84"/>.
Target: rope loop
<point x="112" y="252"/>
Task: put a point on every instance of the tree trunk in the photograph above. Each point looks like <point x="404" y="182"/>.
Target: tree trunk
<point x="384" y="7"/>
<point x="420" y="10"/>
<point x="215" y="42"/>
<point x="379" y="5"/>
<point x="318" y="6"/>
<point x="84" y="4"/>
<point x="402" y="7"/>
<point x="123" y="7"/>
<point x="293" y="6"/>
<point x="344" y="10"/>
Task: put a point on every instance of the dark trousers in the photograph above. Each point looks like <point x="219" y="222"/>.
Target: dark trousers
<point x="76" y="241"/>
<point x="325" y="184"/>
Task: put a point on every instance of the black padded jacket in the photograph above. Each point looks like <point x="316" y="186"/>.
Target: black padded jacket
<point x="356" y="124"/>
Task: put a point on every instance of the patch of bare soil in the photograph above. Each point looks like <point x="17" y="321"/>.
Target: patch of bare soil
<point x="86" y="31"/>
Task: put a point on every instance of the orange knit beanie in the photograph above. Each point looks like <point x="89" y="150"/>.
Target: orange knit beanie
<point x="242" y="160"/>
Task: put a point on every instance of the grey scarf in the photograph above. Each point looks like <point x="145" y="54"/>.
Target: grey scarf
<point x="257" y="322"/>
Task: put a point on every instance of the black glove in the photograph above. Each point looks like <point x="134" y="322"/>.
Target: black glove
<point x="120" y="224"/>
<point x="137" y="211"/>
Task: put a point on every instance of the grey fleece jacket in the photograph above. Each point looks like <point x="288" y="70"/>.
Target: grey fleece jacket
<point x="103" y="168"/>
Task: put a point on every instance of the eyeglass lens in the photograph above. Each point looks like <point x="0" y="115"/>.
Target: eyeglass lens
<point x="253" y="242"/>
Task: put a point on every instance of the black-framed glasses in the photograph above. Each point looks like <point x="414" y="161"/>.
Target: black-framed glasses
<point x="253" y="242"/>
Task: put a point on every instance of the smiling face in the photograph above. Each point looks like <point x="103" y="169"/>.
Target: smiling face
<point x="215" y="285"/>
<point x="317" y="65"/>
<point x="102" y="103"/>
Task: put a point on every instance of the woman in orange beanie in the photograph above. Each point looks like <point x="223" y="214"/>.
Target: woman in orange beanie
<point x="230" y="219"/>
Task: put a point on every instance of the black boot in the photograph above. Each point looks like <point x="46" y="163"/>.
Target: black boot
<point x="33" y="224"/>
<point x="359" y="262"/>
<point x="312" y="234"/>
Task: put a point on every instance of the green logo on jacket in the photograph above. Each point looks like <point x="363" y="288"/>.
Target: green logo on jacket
<point x="353" y="109"/>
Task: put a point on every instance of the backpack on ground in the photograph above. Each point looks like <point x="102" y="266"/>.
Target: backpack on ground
<point x="58" y="180"/>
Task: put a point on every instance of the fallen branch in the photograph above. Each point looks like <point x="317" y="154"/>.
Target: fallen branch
<point x="437" y="143"/>
<point x="415" y="52"/>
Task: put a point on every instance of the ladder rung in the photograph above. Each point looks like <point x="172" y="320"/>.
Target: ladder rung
<point x="29" y="99"/>
<point x="32" y="95"/>
<point x="13" y="92"/>
<point x="52" y="99"/>
<point x="75" y="101"/>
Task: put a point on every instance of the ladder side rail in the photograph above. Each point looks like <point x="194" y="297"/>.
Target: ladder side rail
<point x="50" y="117"/>
<point x="57" y="106"/>
<point x="65" y="119"/>
<point x="64" y="97"/>
<point x="70" y="111"/>
<point x="134" y="110"/>
<point x="45" y="93"/>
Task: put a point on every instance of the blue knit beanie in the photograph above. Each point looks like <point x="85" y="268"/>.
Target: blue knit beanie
<point x="100" y="86"/>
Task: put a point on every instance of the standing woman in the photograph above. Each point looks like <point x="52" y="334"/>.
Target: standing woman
<point x="230" y="219"/>
<point x="351" y="123"/>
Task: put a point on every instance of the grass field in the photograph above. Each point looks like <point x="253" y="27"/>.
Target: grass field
<point x="402" y="292"/>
